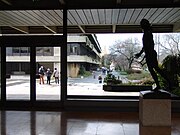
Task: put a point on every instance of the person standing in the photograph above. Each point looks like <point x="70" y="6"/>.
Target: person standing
<point x="56" y="75"/>
<point x="100" y="79"/>
<point x="48" y="74"/>
<point x="41" y="75"/>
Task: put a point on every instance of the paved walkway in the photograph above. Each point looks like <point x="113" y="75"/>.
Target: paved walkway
<point x="18" y="87"/>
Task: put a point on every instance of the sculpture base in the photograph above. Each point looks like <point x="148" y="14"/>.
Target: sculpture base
<point x="155" y="108"/>
<point x="154" y="130"/>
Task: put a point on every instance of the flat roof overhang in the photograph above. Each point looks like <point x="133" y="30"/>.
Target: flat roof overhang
<point x="87" y="16"/>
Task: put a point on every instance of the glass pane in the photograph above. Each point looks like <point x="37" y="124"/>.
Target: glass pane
<point x="90" y="62"/>
<point x="48" y="73"/>
<point x="18" y="73"/>
<point x="83" y="61"/>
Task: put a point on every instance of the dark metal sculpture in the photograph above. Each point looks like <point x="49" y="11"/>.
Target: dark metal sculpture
<point x="150" y="53"/>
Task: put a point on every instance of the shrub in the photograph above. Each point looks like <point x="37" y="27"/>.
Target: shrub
<point x="123" y="73"/>
<point x="176" y="91"/>
<point x="147" y="81"/>
<point x="81" y="70"/>
<point x="138" y="76"/>
<point x="171" y="67"/>
<point x="111" y="79"/>
<point x="131" y="71"/>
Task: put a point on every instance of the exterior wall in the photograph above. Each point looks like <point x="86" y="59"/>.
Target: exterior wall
<point x="57" y="54"/>
<point x="80" y="50"/>
<point x="76" y="39"/>
<point x="73" y="69"/>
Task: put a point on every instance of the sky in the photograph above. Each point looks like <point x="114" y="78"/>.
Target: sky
<point x="109" y="39"/>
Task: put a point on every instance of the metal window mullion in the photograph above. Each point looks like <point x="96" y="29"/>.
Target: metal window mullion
<point x="64" y="58"/>
<point x="3" y="74"/>
<point x="33" y="74"/>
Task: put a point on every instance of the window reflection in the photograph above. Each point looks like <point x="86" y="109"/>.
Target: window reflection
<point x="18" y="73"/>
<point x="18" y="51"/>
<point x="44" y="51"/>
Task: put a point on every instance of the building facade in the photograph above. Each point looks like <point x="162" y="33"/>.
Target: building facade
<point x="82" y="51"/>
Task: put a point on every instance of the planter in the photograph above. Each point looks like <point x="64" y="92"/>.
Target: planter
<point x="126" y="88"/>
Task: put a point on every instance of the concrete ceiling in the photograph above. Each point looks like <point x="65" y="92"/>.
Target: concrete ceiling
<point x="87" y="16"/>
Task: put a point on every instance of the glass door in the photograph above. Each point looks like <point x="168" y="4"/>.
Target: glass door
<point x="48" y="73"/>
<point x="18" y="73"/>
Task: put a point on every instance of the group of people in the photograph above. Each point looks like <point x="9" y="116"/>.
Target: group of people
<point x="48" y="74"/>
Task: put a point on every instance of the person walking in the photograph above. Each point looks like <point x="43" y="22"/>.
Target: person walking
<point x="56" y="75"/>
<point x="48" y="74"/>
<point x="41" y="75"/>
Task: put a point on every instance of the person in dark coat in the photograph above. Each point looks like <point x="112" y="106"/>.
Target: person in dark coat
<point x="48" y="74"/>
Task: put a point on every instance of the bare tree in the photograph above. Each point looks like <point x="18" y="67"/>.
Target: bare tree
<point x="124" y="52"/>
<point x="169" y="45"/>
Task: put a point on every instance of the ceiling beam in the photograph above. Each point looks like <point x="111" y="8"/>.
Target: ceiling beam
<point x="176" y="27"/>
<point x="23" y="29"/>
<point x="113" y="28"/>
<point x="81" y="28"/>
<point x="53" y="29"/>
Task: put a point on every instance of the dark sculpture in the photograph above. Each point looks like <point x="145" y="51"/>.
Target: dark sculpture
<point x="150" y="53"/>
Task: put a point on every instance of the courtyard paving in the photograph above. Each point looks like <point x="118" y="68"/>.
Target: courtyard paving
<point x="18" y="87"/>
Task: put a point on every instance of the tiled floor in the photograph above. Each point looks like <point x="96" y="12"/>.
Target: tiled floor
<point x="80" y="123"/>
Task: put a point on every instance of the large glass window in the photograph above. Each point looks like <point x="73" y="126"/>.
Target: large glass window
<point x="107" y="65"/>
<point x="48" y="73"/>
<point x="17" y="73"/>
